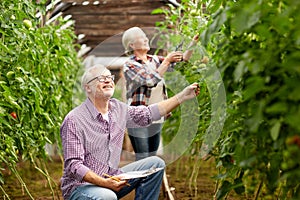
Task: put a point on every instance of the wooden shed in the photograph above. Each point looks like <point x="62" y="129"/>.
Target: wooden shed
<point x="101" y="21"/>
<point x="99" y="25"/>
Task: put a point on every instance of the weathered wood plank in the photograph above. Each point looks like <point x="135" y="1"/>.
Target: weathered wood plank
<point x="102" y="25"/>
<point x="123" y="19"/>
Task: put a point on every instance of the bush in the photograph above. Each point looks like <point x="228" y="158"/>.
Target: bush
<point x="38" y="67"/>
<point x="255" y="45"/>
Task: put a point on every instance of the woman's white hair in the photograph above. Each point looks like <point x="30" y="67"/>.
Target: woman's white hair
<point x="92" y="72"/>
<point x="129" y="36"/>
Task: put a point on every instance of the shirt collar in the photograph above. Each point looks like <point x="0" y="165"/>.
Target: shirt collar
<point x="93" y="110"/>
<point x="149" y="57"/>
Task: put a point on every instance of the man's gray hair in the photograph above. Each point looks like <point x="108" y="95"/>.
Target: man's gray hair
<point x="92" y="72"/>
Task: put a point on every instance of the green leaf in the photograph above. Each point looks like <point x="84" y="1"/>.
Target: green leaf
<point x="34" y="81"/>
<point x="3" y="121"/>
<point x="292" y="118"/>
<point x="275" y="130"/>
<point x="277" y="107"/>
<point x="263" y="31"/>
<point x="158" y="11"/>
<point x="239" y="71"/>
<point x="294" y="94"/>
<point x="245" y="17"/>
<point x="213" y="6"/>
<point x="20" y="80"/>
<point x="223" y="190"/>
<point x="217" y="23"/>
<point x="48" y="118"/>
<point x="253" y="86"/>
<point x="239" y="188"/>
<point x="256" y="118"/>
<point x="11" y="100"/>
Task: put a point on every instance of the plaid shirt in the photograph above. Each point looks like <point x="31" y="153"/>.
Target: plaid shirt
<point x="141" y="77"/>
<point x="92" y="143"/>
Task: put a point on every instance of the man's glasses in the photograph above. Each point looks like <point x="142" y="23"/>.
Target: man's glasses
<point x="103" y="78"/>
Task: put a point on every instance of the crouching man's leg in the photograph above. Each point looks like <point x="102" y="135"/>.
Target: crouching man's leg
<point x="147" y="188"/>
<point x="90" y="191"/>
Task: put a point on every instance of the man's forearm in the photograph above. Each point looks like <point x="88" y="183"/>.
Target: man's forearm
<point x="93" y="178"/>
<point x="168" y="105"/>
<point x="111" y="183"/>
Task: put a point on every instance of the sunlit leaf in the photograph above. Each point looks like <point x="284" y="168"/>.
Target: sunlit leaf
<point x="275" y="130"/>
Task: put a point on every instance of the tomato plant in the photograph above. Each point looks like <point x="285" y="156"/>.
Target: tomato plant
<point x="256" y="47"/>
<point x="37" y="64"/>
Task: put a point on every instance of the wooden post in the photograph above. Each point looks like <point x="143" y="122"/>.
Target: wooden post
<point x="168" y="192"/>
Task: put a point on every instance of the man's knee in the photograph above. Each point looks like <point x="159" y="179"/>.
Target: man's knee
<point x="110" y="195"/>
<point x="157" y="161"/>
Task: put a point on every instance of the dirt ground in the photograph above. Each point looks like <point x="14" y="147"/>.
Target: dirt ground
<point x="176" y="172"/>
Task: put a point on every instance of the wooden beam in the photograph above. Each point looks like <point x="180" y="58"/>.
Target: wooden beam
<point x="113" y="10"/>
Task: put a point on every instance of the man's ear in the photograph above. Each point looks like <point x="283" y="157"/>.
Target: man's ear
<point x="88" y="88"/>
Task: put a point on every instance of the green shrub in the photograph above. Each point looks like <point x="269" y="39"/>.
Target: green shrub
<point x="38" y="69"/>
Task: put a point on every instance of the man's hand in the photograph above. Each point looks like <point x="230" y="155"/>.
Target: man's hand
<point x="188" y="93"/>
<point x="111" y="182"/>
<point x="170" y="104"/>
<point x="115" y="184"/>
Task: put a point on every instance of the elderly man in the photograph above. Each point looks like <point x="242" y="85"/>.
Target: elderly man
<point x="92" y="136"/>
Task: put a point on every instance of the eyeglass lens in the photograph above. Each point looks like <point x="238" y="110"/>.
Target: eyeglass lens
<point x="104" y="78"/>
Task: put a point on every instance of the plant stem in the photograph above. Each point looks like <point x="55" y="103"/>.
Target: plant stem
<point x="5" y="194"/>
<point x="23" y="184"/>
<point x="258" y="190"/>
<point x="45" y="172"/>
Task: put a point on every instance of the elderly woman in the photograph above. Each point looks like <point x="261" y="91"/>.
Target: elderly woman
<point x="145" y="85"/>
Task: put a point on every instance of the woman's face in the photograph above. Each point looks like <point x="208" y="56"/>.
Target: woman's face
<point x="141" y="43"/>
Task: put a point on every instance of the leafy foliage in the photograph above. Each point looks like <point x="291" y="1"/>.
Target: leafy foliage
<point x="255" y="44"/>
<point x="37" y="72"/>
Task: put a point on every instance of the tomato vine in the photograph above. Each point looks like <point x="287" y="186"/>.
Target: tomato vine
<point x="37" y="62"/>
<point x="255" y="45"/>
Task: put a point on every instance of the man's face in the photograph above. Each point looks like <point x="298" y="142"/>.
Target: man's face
<point x="104" y="85"/>
<point x="141" y="42"/>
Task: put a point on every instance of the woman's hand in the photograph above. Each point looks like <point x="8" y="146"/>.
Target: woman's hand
<point x="194" y="41"/>
<point x="196" y="38"/>
<point x="188" y="53"/>
<point x="175" y="56"/>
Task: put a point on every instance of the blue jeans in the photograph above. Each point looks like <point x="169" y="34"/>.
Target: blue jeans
<point x="145" y="141"/>
<point x="147" y="188"/>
